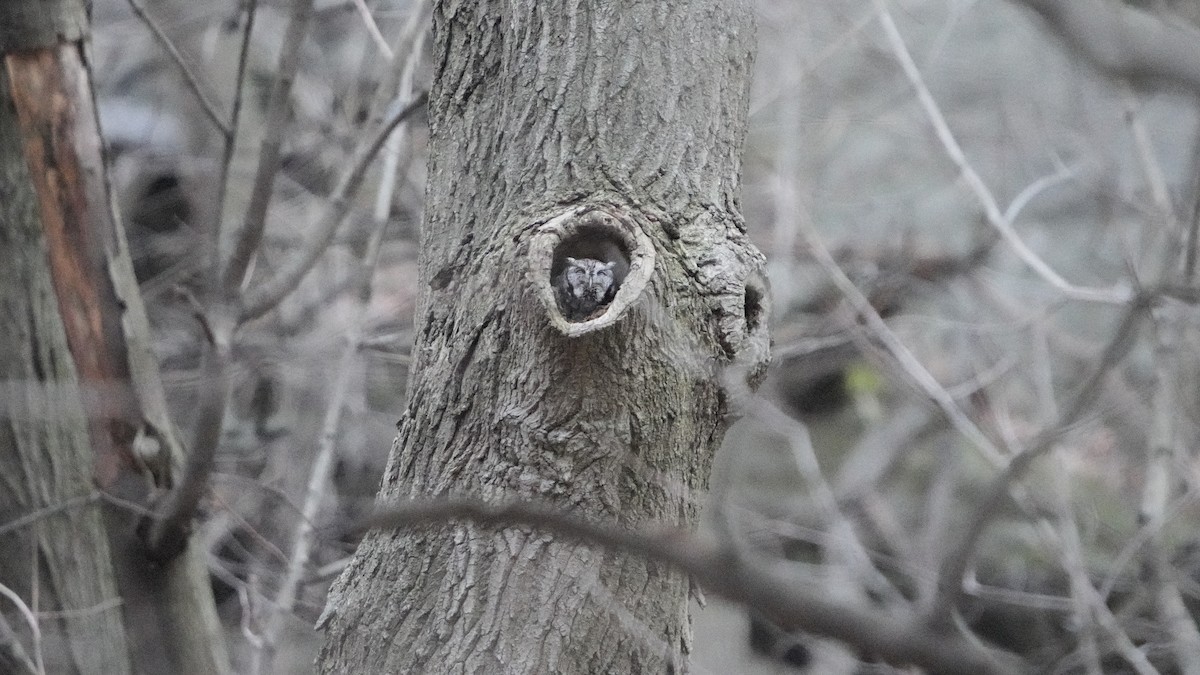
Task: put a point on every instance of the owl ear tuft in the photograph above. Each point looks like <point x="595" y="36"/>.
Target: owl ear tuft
<point x="608" y="265"/>
<point x="572" y="261"/>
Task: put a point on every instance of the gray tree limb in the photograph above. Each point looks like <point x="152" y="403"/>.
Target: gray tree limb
<point x="1125" y="41"/>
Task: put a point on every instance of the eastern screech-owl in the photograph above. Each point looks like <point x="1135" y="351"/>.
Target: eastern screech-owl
<point x="583" y="286"/>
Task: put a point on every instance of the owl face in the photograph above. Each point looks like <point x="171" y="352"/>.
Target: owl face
<point x="589" y="279"/>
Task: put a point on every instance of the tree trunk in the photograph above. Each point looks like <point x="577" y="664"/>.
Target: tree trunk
<point x="45" y="460"/>
<point x="600" y="130"/>
<point x="85" y="405"/>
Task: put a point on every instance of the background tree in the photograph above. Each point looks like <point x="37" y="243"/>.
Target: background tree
<point x="84" y="404"/>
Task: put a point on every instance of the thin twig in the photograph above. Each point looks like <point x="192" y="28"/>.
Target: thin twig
<point x="991" y="208"/>
<point x="843" y="541"/>
<point x="12" y="655"/>
<point x="249" y="235"/>
<point x="235" y="121"/>
<point x="1165" y="452"/>
<point x="955" y="564"/>
<point x="1175" y="615"/>
<point x="373" y="30"/>
<point x="273" y="290"/>
<point x="302" y="540"/>
<point x="98" y="608"/>
<point x="1082" y="589"/>
<point x="1138" y="541"/>
<point x="193" y="82"/>
<point x="46" y="511"/>
<point x="908" y="361"/>
<point x="395" y="142"/>
<point x="34" y="628"/>
<point x="835" y="45"/>
<point x="1156" y="179"/>
<point x="1034" y="189"/>
<point x="322" y="469"/>
<point x="328" y="571"/>
<point x="1193" y="234"/>
<point x="125" y="504"/>
<point x="1100" y="612"/>
<point x="348" y="366"/>
<point x="249" y="529"/>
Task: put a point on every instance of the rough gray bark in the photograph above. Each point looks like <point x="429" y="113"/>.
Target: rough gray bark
<point x="74" y="322"/>
<point x="45" y="457"/>
<point x="547" y="117"/>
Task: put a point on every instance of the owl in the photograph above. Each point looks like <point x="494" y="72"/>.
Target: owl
<point x="583" y="286"/>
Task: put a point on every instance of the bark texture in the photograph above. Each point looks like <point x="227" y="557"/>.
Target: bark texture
<point x="45" y="458"/>
<point x="76" y="342"/>
<point x="542" y="113"/>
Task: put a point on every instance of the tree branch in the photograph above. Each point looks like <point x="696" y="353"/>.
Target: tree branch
<point x="46" y="512"/>
<point x="1125" y="41"/>
<point x="907" y="361"/>
<point x="13" y="658"/>
<point x="13" y="651"/>
<point x="991" y="208"/>
<point x="956" y="562"/>
<point x="285" y="281"/>
<point x="167" y="532"/>
<point x="249" y="235"/>
<point x="235" y="120"/>
<point x="373" y="30"/>
<point x="193" y="82"/>
<point x="897" y="639"/>
<point x="323" y="462"/>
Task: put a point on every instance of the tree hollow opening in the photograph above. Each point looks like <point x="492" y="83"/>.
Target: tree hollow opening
<point x="589" y="265"/>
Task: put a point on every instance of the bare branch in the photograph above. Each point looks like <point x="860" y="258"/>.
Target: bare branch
<point x="956" y="562"/>
<point x="908" y="361"/>
<point x="1082" y="588"/>
<point x="302" y="540"/>
<point x="249" y="235"/>
<point x="1083" y="591"/>
<point x="323" y="462"/>
<point x="1125" y="41"/>
<point x="98" y="608"/>
<point x="35" y="630"/>
<point x="991" y="208"/>
<point x="1165" y="452"/>
<point x="169" y="529"/>
<point x="897" y="639"/>
<point x="1034" y="189"/>
<point x="45" y="512"/>
<point x="373" y="30"/>
<point x="1156" y="179"/>
<point x="273" y="290"/>
<point x="235" y="120"/>
<point x="413" y="36"/>
<point x="13" y="658"/>
<point x="193" y="82"/>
